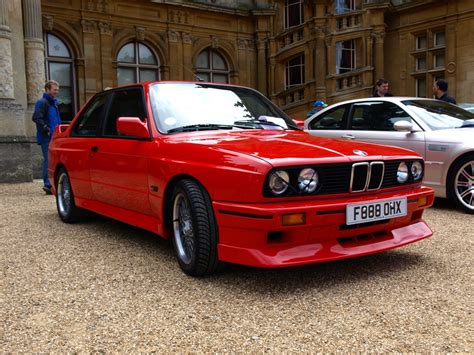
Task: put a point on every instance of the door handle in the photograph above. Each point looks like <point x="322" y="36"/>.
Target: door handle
<point x="348" y="136"/>
<point x="94" y="148"/>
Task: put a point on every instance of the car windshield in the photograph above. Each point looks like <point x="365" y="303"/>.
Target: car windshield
<point x="439" y="114"/>
<point x="179" y="107"/>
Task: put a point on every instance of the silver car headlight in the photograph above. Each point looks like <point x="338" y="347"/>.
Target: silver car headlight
<point x="402" y="173"/>
<point x="417" y="170"/>
<point x="308" y="180"/>
<point x="279" y="182"/>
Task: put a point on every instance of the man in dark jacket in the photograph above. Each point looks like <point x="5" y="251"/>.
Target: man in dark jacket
<point x="381" y="89"/>
<point x="46" y="116"/>
<point x="440" y="89"/>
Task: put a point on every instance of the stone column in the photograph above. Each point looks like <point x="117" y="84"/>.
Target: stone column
<point x="261" y="65"/>
<point x="6" y="68"/>
<point x="379" y="46"/>
<point x="320" y="64"/>
<point x="34" y="49"/>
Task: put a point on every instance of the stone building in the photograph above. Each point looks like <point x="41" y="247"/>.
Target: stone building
<point x="293" y="51"/>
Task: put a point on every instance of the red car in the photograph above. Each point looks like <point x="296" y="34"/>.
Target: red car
<point x="231" y="178"/>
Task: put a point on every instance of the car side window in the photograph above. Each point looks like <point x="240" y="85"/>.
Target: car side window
<point x="376" y="116"/>
<point x="125" y="103"/>
<point x="333" y="119"/>
<point x="89" y="121"/>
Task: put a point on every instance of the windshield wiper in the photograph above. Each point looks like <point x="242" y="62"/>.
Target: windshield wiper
<point x="255" y="123"/>
<point x="205" y="127"/>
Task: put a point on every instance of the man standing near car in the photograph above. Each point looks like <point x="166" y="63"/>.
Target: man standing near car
<point x="46" y="116"/>
<point x="440" y="89"/>
<point x="381" y="89"/>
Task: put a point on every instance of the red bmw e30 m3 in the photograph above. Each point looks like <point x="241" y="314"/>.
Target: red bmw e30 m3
<point x="230" y="178"/>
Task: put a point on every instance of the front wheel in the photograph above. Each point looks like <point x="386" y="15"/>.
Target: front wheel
<point x="67" y="210"/>
<point x="194" y="229"/>
<point x="461" y="184"/>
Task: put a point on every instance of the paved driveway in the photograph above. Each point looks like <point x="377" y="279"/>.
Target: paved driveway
<point x="106" y="286"/>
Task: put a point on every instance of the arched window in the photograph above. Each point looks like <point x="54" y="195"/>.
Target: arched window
<point x="211" y="66"/>
<point x="59" y="67"/>
<point x="136" y="62"/>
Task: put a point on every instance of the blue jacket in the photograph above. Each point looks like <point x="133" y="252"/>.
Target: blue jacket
<point x="46" y="116"/>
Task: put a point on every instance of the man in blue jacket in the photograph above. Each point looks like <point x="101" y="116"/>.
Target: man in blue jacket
<point x="46" y="117"/>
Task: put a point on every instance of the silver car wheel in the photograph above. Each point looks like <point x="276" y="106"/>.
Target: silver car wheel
<point x="464" y="185"/>
<point x="183" y="228"/>
<point x="64" y="195"/>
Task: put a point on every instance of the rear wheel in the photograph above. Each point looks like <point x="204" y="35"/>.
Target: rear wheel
<point x="194" y="229"/>
<point x="461" y="183"/>
<point x="65" y="203"/>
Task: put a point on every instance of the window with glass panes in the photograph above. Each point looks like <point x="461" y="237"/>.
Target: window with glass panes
<point x="294" y="69"/>
<point x="429" y="59"/>
<point x="211" y="66"/>
<point x="344" y="6"/>
<point x="136" y="62"/>
<point x="59" y="66"/>
<point x="293" y="13"/>
<point x="345" y="56"/>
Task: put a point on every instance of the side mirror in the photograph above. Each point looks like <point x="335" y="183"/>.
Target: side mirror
<point x="132" y="126"/>
<point x="62" y="128"/>
<point x="404" y="126"/>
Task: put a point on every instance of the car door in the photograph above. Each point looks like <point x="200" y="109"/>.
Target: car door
<point x="369" y="121"/>
<point x="332" y="123"/>
<point x="373" y="121"/>
<point x="83" y="136"/>
<point x="119" y="166"/>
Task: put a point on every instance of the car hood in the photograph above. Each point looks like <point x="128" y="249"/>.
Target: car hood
<point x="283" y="148"/>
<point x="454" y="135"/>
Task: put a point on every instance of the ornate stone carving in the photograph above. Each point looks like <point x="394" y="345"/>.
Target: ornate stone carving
<point x="378" y="36"/>
<point x="98" y="5"/>
<point x="187" y="37"/>
<point x="105" y="28"/>
<point x="48" y="22"/>
<point x="173" y="36"/>
<point x="241" y="44"/>
<point x="88" y="26"/>
<point x="214" y="41"/>
<point x="451" y="67"/>
<point x="177" y="16"/>
<point x="140" y="33"/>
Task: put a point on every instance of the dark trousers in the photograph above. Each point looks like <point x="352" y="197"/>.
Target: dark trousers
<point x="44" y="150"/>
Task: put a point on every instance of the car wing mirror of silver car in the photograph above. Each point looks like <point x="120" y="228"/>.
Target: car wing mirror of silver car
<point x="405" y="126"/>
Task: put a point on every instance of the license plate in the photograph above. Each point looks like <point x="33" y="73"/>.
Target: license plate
<point x="376" y="210"/>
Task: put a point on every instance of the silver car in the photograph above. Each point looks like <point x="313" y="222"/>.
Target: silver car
<point x="442" y="133"/>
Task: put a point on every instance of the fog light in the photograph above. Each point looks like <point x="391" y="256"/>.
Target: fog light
<point x="293" y="219"/>
<point x="422" y="201"/>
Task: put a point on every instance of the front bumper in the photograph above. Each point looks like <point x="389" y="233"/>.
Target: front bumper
<point x="253" y="234"/>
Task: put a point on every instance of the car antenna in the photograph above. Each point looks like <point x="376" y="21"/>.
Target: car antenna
<point x="196" y="77"/>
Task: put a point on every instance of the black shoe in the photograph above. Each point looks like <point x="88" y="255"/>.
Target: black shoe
<point x="47" y="190"/>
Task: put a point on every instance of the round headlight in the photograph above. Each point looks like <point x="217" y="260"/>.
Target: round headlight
<point x="402" y="173"/>
<point x="279" y="182"/>
<point x="416" y="170"/>
<point x="308" y="180"/>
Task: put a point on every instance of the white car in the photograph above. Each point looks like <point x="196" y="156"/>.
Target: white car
<point x="442" y="133"/>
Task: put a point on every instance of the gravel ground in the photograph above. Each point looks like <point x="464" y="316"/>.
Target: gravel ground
<point x="105" y="286"/>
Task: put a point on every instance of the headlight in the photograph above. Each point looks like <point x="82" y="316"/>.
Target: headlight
<point x="279" y="182"/>
<point x="402" y="173"/>
<point x="308" y="180"/>
<point x="416" y="170"/>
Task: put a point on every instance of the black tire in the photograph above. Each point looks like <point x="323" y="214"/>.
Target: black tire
<point x="194" y="229"/>
<point x="461" y="183"/>
<point x="65" y="203"/>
